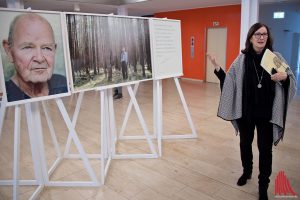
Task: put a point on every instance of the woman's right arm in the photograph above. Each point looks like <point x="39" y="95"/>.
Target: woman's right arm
<point x="219" y="72"/>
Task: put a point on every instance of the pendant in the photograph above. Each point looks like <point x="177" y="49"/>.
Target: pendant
<point x="259" y="85"/>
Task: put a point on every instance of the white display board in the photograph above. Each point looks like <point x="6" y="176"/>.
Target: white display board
<point x="166" y="48"/>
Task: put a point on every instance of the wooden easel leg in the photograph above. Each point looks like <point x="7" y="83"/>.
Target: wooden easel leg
<point x="2" y="115"/>
<point x="35" y="110"/>
<point x="16" y="151"/>
<point x="128" y="111"/>
<point x="31" y="124"/>
<point x="51" y="128"/>
<point x="157" y="113"/>
<point x="74" y="121"/>
<point x="186" y="109"/>
<point x="106" y="136"/>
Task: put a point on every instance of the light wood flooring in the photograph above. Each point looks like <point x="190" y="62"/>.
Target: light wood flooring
<point x="205" y="168"/>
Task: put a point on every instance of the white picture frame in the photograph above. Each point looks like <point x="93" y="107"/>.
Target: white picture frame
<point x="112" y="43"/>
<point x="56" y="21"/>
<point x="166" y="48"/>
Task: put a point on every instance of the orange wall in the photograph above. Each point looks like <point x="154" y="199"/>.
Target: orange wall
<point x="194" y="23"/>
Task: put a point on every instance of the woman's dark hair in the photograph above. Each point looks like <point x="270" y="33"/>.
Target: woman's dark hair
<point x="252" y="30"/>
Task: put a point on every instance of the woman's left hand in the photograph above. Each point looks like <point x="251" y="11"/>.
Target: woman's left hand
<point x="279" y="76"/>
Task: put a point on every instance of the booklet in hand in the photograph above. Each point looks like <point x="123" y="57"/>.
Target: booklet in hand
<point x="271" y="61"/>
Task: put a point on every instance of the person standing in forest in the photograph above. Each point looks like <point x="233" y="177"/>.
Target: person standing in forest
<point x="124" y="62"/>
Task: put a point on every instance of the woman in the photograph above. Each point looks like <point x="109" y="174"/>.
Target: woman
<point x="252" y="98"/>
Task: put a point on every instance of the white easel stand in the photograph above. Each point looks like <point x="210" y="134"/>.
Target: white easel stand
<point x="187" y="113"/>
<point x="82" y="153"/>
<point x="105" y="154"/>
<point x="38" y="153"/>
<point x="15" y="182"/>
<point x="147" y="136"/>
<point x="108" y="130"/>
<point x="157" y="116"/>
<point x="156" y="127"/>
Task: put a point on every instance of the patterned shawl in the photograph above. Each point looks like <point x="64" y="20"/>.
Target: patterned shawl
<point x="230" y="106"/>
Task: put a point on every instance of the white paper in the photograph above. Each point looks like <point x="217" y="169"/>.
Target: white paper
<point x="270" y="61"/>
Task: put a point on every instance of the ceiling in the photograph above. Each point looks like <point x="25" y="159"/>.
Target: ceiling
<point x="134" y="7"/>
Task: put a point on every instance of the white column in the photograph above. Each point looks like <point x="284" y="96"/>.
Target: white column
<point x="15" y="4"/>
<point x="249" y="16"/>
<point x="122" y="10"/>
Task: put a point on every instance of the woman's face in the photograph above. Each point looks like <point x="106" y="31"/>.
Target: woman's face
<point x="259" y="39"/>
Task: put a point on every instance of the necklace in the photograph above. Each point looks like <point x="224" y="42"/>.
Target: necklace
<point x="259" y="85"/>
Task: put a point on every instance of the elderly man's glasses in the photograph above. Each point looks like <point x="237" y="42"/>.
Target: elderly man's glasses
<point x="259" y="35"/>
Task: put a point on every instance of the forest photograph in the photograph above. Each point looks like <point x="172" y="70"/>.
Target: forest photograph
<point x="108" y="50"/>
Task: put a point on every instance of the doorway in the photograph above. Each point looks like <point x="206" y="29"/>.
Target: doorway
<point x="216" y="41"/>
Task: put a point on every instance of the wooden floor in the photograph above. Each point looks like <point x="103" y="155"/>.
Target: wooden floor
<point x="206" y="168"/>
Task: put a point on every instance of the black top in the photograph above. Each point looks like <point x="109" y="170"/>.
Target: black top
<point x="257" y="102"/>
<point x="221" y="76"/>
<point x="57" y="84"/>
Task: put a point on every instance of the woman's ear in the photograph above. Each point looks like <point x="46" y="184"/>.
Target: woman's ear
<point x="7" y="49"/>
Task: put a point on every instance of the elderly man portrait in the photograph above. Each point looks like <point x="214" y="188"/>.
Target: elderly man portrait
<point x="31" y="48"/>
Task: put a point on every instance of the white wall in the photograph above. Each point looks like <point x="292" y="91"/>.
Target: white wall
<point x="285" y="31"/>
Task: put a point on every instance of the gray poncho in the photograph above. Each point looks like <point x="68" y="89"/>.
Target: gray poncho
<point x="230" y="106"/>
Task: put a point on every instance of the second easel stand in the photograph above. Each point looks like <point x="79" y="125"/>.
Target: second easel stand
<point x="41" y="171"/>
<point x="158" y="116"/>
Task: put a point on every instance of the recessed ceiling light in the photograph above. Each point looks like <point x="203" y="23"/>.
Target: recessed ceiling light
<point x="140" y="1"/>
<point x="76" y="7"/>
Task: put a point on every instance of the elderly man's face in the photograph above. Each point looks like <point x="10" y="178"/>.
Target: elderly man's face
<point x="33" y="50"/>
